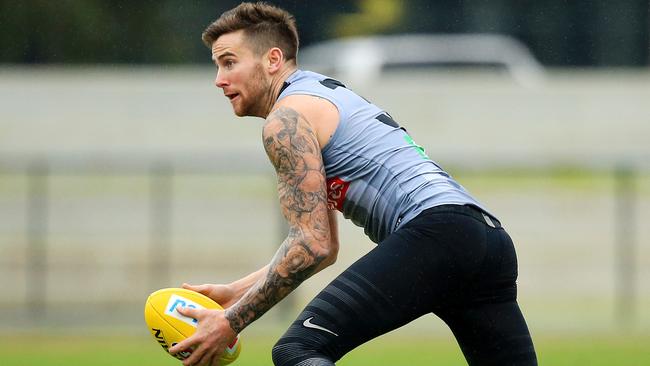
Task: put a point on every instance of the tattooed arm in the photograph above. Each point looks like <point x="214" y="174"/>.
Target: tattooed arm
<point x="293" y="146"/>
<point x="227" y="295"/>
<point x="294" y="151"/>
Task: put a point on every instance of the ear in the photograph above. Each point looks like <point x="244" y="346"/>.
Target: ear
<point x="275" y="60"/>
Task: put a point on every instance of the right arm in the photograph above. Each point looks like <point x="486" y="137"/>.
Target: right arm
<point x="227" y="295"/>
<point x="293" y="149"/>
<point x="240" y="286"/>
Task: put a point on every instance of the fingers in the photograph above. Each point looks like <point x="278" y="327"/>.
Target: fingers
<point x="207" y="344"/>
<point x="184" y="345"/>
<point x="203" y="289"/>
<point x="215" y="360"/>
<point x="189" y="312"/>
<point x="210" y="358"/>
<point x="203" y="355"/>
<point x="191" y="341"/>
<point x="196" y="356"/>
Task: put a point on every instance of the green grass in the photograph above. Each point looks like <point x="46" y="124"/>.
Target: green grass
<point x="99" y="350"/>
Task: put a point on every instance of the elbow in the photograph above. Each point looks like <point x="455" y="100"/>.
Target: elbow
<point x="331" y="254"/>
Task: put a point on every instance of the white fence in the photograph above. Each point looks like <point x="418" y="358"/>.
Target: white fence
<point x="117" y="182"/>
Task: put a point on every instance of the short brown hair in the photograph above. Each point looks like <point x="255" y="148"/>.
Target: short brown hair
<point x="264" y="25"/>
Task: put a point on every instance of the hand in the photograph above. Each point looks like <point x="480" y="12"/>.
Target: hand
<point x="224" y="295"/>
<point x="209" y="342"/>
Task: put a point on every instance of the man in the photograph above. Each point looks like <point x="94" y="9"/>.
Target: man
<point x="439" y="251"/>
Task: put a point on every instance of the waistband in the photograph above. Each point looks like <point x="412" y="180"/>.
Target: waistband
<point x="471" y="210"/>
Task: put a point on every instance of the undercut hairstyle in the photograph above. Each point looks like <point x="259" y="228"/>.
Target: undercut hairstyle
<point x="265" y="26"/>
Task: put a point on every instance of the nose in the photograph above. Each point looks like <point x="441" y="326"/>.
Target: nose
<point x="220" y="80"/>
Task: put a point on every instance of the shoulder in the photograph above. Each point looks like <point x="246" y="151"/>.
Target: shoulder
<point x="283" y="118"/>
<point x="307" y="104"/>
<point x="291" y="145"/>
<point x="286" y="127"/>
<point x="319" y="114"/>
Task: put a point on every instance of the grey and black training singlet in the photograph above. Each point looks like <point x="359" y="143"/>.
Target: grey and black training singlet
<point x="376" y="175"/>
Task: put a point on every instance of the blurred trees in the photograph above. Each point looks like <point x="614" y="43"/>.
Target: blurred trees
<point x="89" y="31"/>
<point x="559" y="32"/>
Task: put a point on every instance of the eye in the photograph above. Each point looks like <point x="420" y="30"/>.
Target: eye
<point x="229" y="64"/>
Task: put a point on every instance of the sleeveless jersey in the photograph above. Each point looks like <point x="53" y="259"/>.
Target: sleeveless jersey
<point x="376" y="175"/>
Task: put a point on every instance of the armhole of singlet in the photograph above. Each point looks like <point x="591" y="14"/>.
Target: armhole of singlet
<point x="342" y="113"/>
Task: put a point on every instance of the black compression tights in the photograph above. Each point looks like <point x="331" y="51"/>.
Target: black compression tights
<point x="445" y="262"/>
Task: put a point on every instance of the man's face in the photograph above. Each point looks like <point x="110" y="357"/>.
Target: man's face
<point x="240" y="74"/>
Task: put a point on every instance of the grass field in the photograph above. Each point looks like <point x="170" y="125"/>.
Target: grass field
<point x="98" y="350"/>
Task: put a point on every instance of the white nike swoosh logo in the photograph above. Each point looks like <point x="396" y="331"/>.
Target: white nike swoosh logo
<point x="308" y="324"/>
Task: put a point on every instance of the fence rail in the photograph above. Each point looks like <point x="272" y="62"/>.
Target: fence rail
<point x="161" y="173"/>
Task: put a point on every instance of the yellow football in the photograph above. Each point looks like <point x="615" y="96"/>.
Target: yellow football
<point x="169" y="327"/>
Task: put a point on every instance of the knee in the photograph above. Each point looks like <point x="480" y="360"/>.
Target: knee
<point x="293" y="352"/>
<point x="280" y="353"/>
<point x="286" y="352"/>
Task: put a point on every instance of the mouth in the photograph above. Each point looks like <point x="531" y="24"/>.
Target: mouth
<point x="232" y="96"/>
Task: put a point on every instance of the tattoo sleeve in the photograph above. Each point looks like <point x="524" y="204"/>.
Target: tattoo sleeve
<point x="294" y="151"/>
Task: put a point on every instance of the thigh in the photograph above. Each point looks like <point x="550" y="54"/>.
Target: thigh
<point x="426" y="265"/>
<point x="492" y="334"/>
<point x="489" y="325"/>
<point x="375" y="295"/>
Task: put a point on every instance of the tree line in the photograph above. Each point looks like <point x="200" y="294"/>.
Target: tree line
<point x="559" y="32"/>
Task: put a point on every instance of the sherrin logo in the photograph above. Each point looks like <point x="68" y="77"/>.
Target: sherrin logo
<point x="176" y="301"/>
<point x="158" y="334"/>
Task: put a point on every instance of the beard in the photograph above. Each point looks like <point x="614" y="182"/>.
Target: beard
<point x="259" y="89"/>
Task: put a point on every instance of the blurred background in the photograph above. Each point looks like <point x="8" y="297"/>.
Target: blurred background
<point x="123" y="169"/>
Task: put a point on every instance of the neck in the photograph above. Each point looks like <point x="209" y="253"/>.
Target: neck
<point x="276" y="85"/>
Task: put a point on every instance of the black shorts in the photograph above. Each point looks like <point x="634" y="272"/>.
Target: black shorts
<point x="450" y="261"/>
